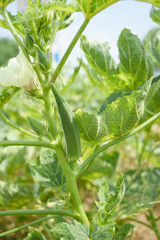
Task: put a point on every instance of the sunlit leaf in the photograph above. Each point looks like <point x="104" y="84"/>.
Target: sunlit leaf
<point x="123" y="232"/>
<point x="134" y="69"/>
<point x="102" y="232"/>
<point x="34" y="234"/>
<point x="49" y="172"/>
<point x="92" y="7"/>
<point x="15" y="195"/>
<point x="109" y="202"/>
<point x="118" y="118"/>
<point x="142" y="190"/>
<point x="76" y="231"/>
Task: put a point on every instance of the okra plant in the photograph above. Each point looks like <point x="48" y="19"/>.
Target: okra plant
<point x="71" y="138"/>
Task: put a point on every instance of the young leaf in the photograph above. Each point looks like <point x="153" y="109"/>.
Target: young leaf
<point x="152" y="100"/>
<point x="98" y="56"/>
<point x="49" y="172"/>
<point x="118" y="118"/>
<point x="75" y="231"/>
<point x="123" y="232"/>
<point x="34" y="234"/>
<point x="92" y="7"/>
<point x="108" y="202"/>
<point x="155" y="14"/>
<point x="102" y="232"/>
<point x="133" y="60"/>
<point x="15" y="196"/>
<point x="134" y="69"/>
<point x="142" y="190"/>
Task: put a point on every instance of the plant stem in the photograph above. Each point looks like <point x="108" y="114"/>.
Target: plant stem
<point x="24" y="226"/>
<point x="6" y="143"/>
<point x="49" y="112"/>
<point x="135" y="220"/>
<point x="83" y="166"/>
<point x="37" y="212"/>
<point x="154" y="224"/>
<point x="67" y="53"/>
<point x="72" y="185"/>
<point x="14" y="33"/>
<point x="3" y="117"/>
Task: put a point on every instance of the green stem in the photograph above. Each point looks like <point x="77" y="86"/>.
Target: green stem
<point x="72" y="185"/>
<point x="3" y="117"/>
<point x="6" y="143"/>
<point x="83" y="166"/>
<point x="14" y="33"/>
<point x="70" y="48"/>
<point x="154" y="224"/>
<point x="24" y="226"/>
<point x="38" y="212"/>
<point x="49" y="111"/>
<point x="149" y="112"/>
<point x="135" y="220"/>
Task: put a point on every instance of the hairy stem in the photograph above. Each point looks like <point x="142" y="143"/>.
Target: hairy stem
<point x="69" y="50"/>
<point x="49" y="112"/>
<point x="83" y="166"/>
<point x="140" y="222"/>
<point x="24" y="226"/>
<point x="6" y="143"/>
<point x="37" y="212"/>
<point x="72" y="185"/>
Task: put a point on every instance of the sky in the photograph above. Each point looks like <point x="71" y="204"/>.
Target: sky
<point x="105" y="26"/>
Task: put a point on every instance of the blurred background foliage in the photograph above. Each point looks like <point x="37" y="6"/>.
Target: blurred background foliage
<point x="134" y="156"/>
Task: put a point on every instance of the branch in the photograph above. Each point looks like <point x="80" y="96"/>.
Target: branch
<point x="24" y="226"/>
<point x="38" y="212"/>
<point x="6" y="143"/>
<point x="69" y="50"/>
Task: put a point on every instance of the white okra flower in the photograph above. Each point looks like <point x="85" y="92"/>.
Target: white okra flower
<point x="19" y="73"/>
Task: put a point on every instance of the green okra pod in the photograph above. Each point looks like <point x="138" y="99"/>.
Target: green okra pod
<point x="69" y="125"/>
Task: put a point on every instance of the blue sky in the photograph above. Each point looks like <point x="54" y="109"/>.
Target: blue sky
<point x="106" y="26"/>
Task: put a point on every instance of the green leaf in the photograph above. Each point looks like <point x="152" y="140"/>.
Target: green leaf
<point x="98" y="56"/>
<point x="134" y="69"/>
<point x="102" y="232"/>
<point x="33" y="11"/>
<point x="118" y="118"/>
<point x="34" y="234"/>
<point x="142" y="190"/>
<point x="92" y="7"/>
<point x="155" y="14"/>
<point x="15" y="196"/>
<point x="108" y="202"/>
<point x="155" y="48"/>
<point x="152" y="100"/>
<point x="49" y="172"/>
<point x="133" y="59"/>
<point x="123" y="232"/>
<point x="75" y="231"/>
